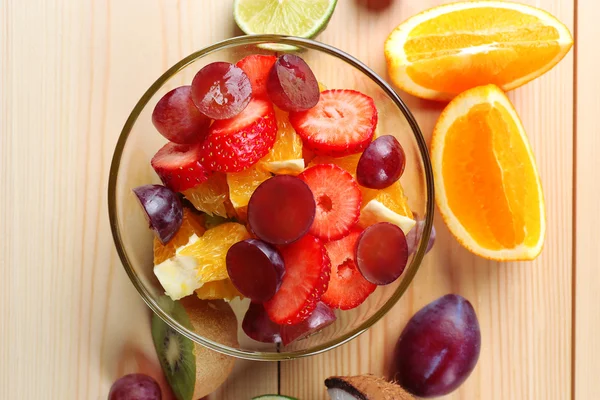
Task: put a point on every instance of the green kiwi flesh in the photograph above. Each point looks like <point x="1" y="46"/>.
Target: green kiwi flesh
<point x="175" y="351"/>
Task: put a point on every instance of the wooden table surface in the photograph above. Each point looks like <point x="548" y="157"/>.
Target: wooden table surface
<point x="70" y="320"/>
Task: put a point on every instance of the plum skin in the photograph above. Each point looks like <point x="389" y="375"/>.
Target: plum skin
<point x="439" y="348"/>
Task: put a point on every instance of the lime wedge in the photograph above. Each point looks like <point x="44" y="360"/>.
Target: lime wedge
<point x="303" y="18"/>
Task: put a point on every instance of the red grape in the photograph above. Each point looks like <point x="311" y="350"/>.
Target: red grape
<point x="291" y="84"/>
<point x="135" y="387"/>
<point x="221" y="90"/>
<point x="281" y="210"/>
<point x="381" y="253"/>
<point x="162" y="208"/>
<point x="255" y="269"/>
<point x="258" y="326"/>
<point x="321" y="317"/>
<point x="381" y="164"/>
<point x="438" y="348"/>
<point x="177" y="118"/>
<point x="414" y="235"/>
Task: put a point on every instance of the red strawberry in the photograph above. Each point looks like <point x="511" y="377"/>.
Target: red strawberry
<point x="306" y="276"/>
<point x="343" y="122"/>
<point x="179" y="167"/>
<point x="347" y="287"/>
<point x="237" y="143"/>
<point x="338" y="200"/>
<point x="257" y="67"/>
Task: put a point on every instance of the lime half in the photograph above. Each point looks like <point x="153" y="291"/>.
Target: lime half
<point x="303" y="18"/>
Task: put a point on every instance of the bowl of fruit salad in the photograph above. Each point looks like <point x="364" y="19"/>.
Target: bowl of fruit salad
<point x="290" y="190"/>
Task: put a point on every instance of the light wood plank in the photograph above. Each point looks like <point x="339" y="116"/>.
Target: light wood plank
<point x="587" y="250"/>
<point x="524" y="308"/>
<point x="71" y="322"/>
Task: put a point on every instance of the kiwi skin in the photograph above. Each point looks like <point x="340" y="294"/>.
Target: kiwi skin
<point x="198" y="371"/>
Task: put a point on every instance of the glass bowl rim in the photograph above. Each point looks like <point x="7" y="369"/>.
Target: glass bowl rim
<point x="254" y="40"/>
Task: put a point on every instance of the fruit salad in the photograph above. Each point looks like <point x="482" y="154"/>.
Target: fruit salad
<point x="278" y="191"/>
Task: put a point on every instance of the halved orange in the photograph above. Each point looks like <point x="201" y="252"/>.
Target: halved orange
<point x="487" y="186"/>
<point x="445" y="50"/>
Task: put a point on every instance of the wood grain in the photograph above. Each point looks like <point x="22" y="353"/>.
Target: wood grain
<point x="587" y="214"/>
<point x="70" y="320"/>
<point x="71" y="72"/>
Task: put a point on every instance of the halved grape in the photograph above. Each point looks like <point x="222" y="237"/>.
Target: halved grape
<point x="255" y="269"/>
<point x="291" y="84"/>
<point x="221" y="90"/>
<point x="281" y="210"/>
<point x="135" y="387"/>
<point x="438" y="348"/>
<point x="162" y="208"/>
<point x="177" y="118"/>
<point x="258" y="326"/>
<point x="414" y="236"/>
<point x="321" y="317"/>
<point x="381" y="253"/>
<point x="381" y="164"/>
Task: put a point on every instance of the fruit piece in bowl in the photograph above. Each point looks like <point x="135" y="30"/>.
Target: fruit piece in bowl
<point x="250" y="181"/>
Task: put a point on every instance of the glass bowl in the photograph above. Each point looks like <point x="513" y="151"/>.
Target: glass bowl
<point x="139" y="141"/>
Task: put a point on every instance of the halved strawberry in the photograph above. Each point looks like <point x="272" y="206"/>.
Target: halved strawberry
<point x="343" y="122"/>
<point x="179" y="167"/>
<point x="338" y="200"/>
<point x="237" y="143"/>
<point x="257" y="67"/>
<point x="306" y="276"/>
<point x="347" y="287"/>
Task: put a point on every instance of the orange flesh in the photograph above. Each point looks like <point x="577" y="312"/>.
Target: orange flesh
<point x="492" y="193"/>
<point x="439" y="49"/>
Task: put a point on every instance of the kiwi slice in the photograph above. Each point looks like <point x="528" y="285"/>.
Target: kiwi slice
<point x="194" y="371"/>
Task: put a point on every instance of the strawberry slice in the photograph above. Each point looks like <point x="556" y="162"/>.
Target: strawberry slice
<point x="338" y="200"/>
<point x="237" y="143"/>
<point x="347" y="287"/>
<point x="179" y="167"/>
<point x="343" y="122"/>
<point x="257" y="67"/>
<point x="306" y="276"/>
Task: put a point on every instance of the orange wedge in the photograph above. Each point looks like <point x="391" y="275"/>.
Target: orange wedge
<point x="451" y="48"/>
<point x="487" y="186"/>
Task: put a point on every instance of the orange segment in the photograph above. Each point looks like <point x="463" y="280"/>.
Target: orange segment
<point x="216" y="290"/>
<point x="242" y="185"/>
<point x="192" y="224"/>
<point x="487" y="185"/>
<point x="285" y="157"/>
<point x="212" y="196"/>
<point x="448" y="49"/>
<point x="211" y="248"/>
<point x="348" y="163"/>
